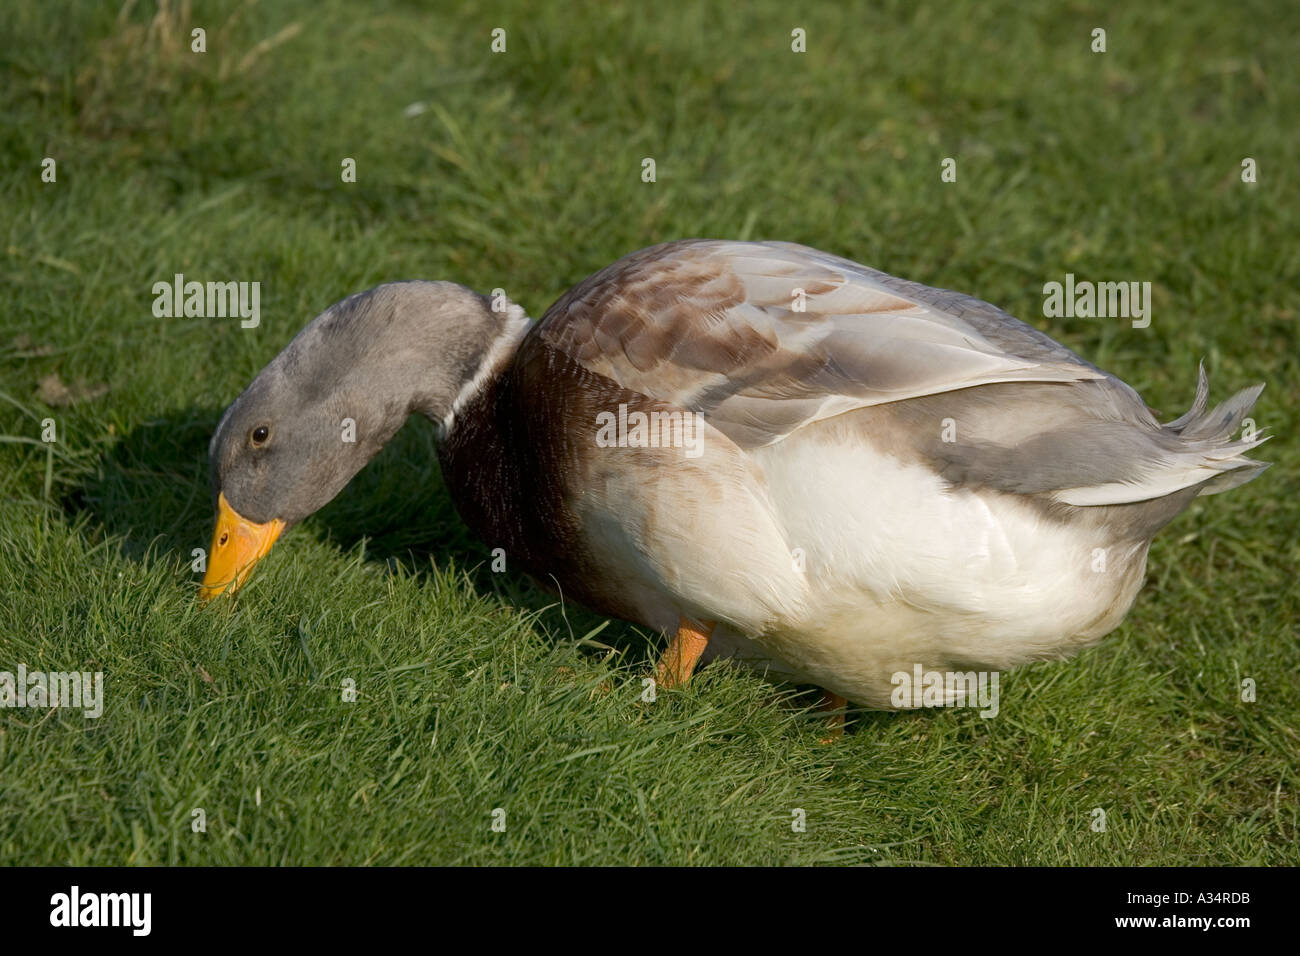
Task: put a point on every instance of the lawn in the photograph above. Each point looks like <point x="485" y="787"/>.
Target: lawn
<point x="523" y="170"/>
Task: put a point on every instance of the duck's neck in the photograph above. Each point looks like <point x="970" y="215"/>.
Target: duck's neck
<point x="407" y="347"/>
<point x="496" y="348"/>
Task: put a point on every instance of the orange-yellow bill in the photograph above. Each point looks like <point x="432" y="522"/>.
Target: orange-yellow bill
<point x="237" y="545"/>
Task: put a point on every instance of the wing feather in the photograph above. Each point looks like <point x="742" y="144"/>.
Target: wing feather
<point x="765" y="337"/>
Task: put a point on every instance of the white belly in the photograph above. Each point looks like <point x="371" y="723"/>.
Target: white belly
<point x="835" y="563"/>
<point x="901" y="570"/>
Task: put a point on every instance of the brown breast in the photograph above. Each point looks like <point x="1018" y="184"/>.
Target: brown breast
<point x="515" y="463"/>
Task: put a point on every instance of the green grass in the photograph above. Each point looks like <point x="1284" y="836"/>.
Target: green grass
<point x="474" y="690"/>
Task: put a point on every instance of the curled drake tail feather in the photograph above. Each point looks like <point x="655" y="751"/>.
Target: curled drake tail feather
<point x="1195" y="450"/>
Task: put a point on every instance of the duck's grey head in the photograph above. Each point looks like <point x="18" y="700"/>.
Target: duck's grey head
<point x="334" y="397"/>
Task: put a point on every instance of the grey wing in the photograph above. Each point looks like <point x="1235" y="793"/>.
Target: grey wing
<point x="764" y="338"/>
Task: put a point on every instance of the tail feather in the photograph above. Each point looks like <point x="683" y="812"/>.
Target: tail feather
<point x="1208" y="434"/>
<point x="1242" y="472"/>
<point x="1195" y="450"/>
<point x="1198" y="406"/>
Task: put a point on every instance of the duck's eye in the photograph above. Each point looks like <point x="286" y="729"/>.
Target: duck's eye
<point x="260" y="434"/>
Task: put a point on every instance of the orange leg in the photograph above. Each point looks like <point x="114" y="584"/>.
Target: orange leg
<point x="684" y="650"/>
<point x="835" y="705"/>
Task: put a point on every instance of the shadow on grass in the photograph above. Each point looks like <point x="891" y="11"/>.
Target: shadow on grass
<point x="151" y="489"/>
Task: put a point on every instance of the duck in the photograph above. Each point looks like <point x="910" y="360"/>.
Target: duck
<point x="765" y="452"/>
